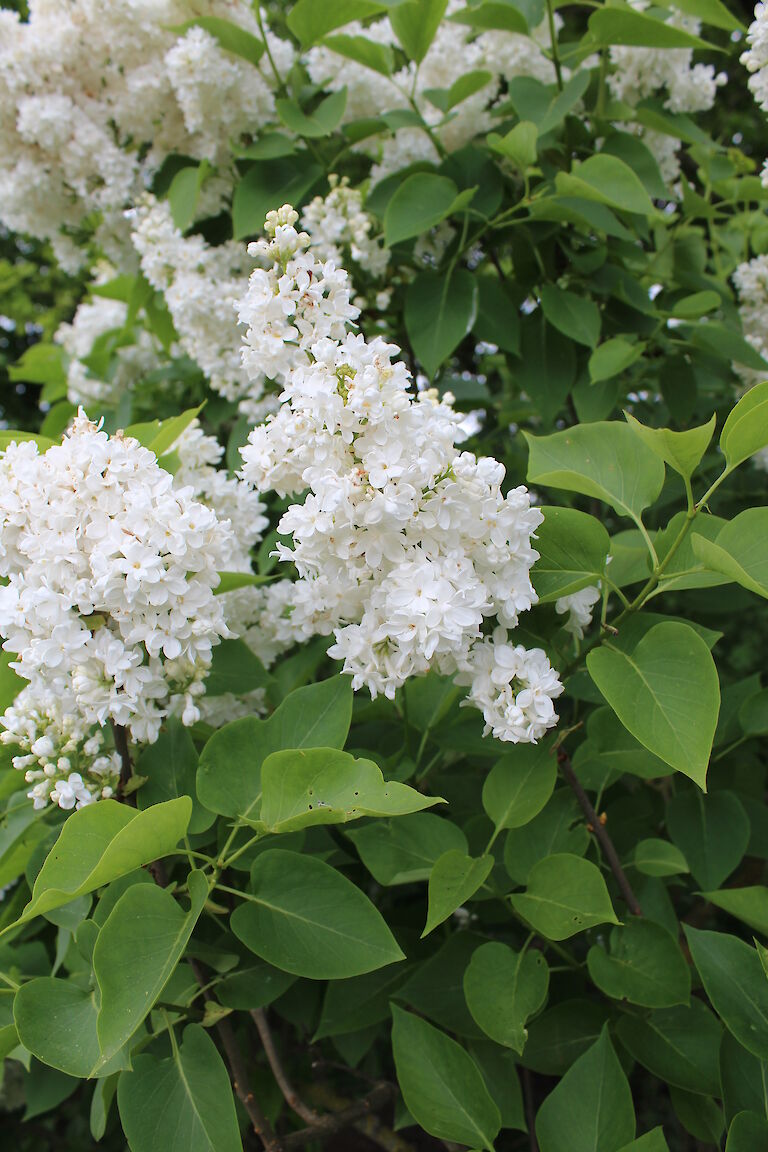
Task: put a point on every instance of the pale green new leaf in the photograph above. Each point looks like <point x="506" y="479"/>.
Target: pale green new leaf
<point x="681" y="450"/>
<point x="572" y="548"/>
<point x="746" y="429"/>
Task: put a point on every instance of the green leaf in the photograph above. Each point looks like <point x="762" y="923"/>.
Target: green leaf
<point x="305" y="917"/>
<point x="666" y="693"/>
<point x="750" y="905"/>
<point x="350" y="1005"/>
<point x="613" y="357"/>
<point x="735" y="983"/>
<point x="136" y="952"/>
<point x="170" y="768"/>
<point x="604" y="459"/>
<point x="708" y="11"/>
<point x="592" y="1104"/>
<point x="230" y="581"/>
<point x="503" y="989"/>
<point x="565" y="895"/>
<point x="268" y="184"/>
<point x="56" y="1022"/>
<point x="439" y="312"/>
<point x="572" y="548"/>
<point x="41" y="364"/>
<point x="184" y="194"/>
<point x="711" y="831"/>
<point x="326" y="786"/>
<point x="606" y="179"/>
<point x="420" y="202"/>
<point x="652" y="1141"/>
<point x="231" y="37"/>
<point x="574" y="316"/>
<point x="728" y="345"/>
<point x="467" y="85"/>
<point x="552" y="831"/>
<point x="180" y="1103"/>
<point x="378" y="57"/>
<point x="167" y="432"/>
<point x="519" y="145"/>
<point x="621" y="25"/>
<point x="497" y="320"/>
<point x="700" y="1115"/>
<point x="309" y="21"/>
<point x="659" y="858"/>
<point x="678" y="1045"/>
<point x="415" y="24"/>
<point x="254" y="985"/>
<point x="681" y="450"/>
<point x="740" y="550"/>
<point x="229" y="775"/>
<point x="406" y="850"/>
<point x="14" y="437"/>
<point x="102" y="841"/>
<point x="235" y="668"/>
<point x="321" y="121"/>
<point x="747" y="1133"/>
<point x="644" y="966"/>
<point x="441" y="1085"/>
<point x="691" y="307"/>
<point x="502" y="16"/>
<point x="746" y="429"/>
<point x="519" y="785"/>
<point x="454" y="878"/>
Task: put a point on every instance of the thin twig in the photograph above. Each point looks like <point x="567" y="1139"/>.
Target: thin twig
<point x="347" y="1117"/>
<point x="291" y="1096"/>
<point x="238" y="1070"/>
<point x="599" y="830"/>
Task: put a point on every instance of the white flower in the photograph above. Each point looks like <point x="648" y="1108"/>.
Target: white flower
<point x="109" y="603"/>
<point x="404" y="545"/>
<point x="579" y="607"/>
<point x="755" y="58"/>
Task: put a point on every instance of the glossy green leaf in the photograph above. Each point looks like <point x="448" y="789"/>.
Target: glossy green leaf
<point x="349" y="1005"/>
<point x="378" y="57"/>
<point x="487" y="14"/>
<point x="626" y="26"/>
<point x="321" y="121"/>
<point x="575" y="316"/>
<point x="655" y="857"/>
<point x="441" y="1085"/>
<point x="678" y="1045"/>
<point x="519" y="785"/>
<point x="565" y="895"/>
<point x="415" y="24"/>
<point x="503" y="989"/>
<point x="267" y="184"/>
<point x="231" y="37"/>
<point x="405" y="850"/>
<point x="235" y="668"/>
<point x="309" y="21"/>
<point x="740" y="550"/>
<point x="652" y="1141"/>
<point x="305" y="917"/>
<point x="681" y="450"/>
<point x="439" y="312"/>
<point x="420" y="202"/>
<point x="56" y="1022"/>
<point x="180" y="1103"/>
<point x="170" y="768"/>
<point x="613" y="357"/>
<point x="747" y="1133"/>
<point x="572" y="548"/>
<point x="643" y="965"/>
<point x="750" y="905"/>
<point x="711" y="831"/>
<point x="467" y="85"/>
<point x="137" y="949"/>
<point x="666" y="693"/>
<point x="606" y="180"/>
<point x="453" y="880"/>
<point x="229" y="775"/>
<point x="735" y="983"/>
<point x="302" y="787"/>
<point x="592" y="1104"/>
<point x="519" y="144"/>
<point x="559" y="827"/>
<point x="746" y="429"/>
<point x="102" y="841"/>
<point x="605" y="460"/>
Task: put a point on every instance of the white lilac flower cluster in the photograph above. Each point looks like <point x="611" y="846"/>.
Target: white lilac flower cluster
<point x="405" y="546"/>
<point x="755" y="60"/>
<point x="751" y="281"/>
<point x="95" y="95"/>
<point x="337" y="226"/>
<point x="108" y="607"/>
<point x="669" y="72"/>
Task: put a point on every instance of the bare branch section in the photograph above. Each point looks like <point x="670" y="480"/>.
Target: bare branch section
<point x="600" y="832"/>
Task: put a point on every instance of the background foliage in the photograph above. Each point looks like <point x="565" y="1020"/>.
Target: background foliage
<point x="467" y="943"/>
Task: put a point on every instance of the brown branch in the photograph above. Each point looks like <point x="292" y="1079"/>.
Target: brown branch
<point x="596" y="826"/>
<point x="239" y="1072"/>
<point x="345" y="1118"/>
<point x="126" y="765"/>
<point x="291" y="1096"/>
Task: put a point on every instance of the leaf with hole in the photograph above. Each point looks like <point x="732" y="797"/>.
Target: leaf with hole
<point x="565" y="895"/>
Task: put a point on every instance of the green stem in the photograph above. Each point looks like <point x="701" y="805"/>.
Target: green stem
<point x="553" y="42"/>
